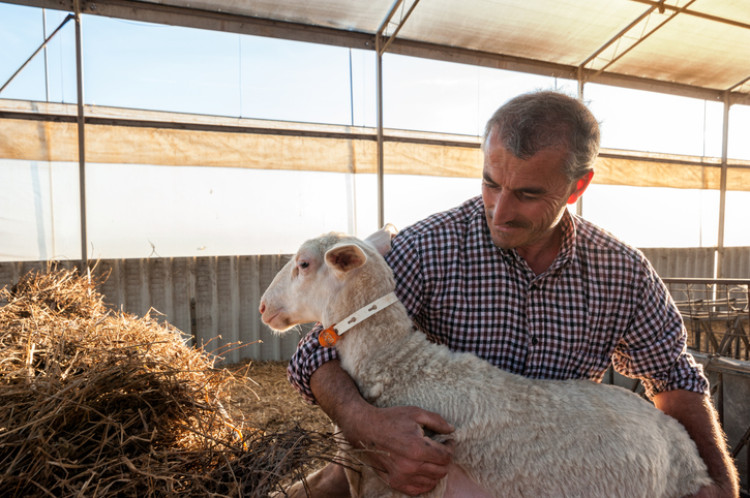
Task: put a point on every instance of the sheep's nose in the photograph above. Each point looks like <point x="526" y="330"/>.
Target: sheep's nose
<point x="262" y="307"/>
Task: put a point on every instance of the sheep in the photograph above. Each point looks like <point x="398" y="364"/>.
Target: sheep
<point x="514" y="436"/>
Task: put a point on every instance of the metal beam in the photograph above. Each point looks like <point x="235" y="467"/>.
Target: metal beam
<point x="640" y="39"/>
<point x="695" y="13"/>
<point x="386" y="22"/>
<point x="218" y="21"/>
<point x="723" y="187"/>
<point x="81" y="141"/>
<point x="381" y="45"/>
<point x="617" y="37"/>
<point x="379" y="124"/>
<point x="531" y="66"/>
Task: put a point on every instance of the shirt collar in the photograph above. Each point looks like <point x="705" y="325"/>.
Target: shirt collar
<point x="568" y="246"/>
<point x="568" y="224"/>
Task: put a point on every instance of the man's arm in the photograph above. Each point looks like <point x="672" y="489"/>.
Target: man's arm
<point x="696" y="413"/>
<point x="407" y="460"/>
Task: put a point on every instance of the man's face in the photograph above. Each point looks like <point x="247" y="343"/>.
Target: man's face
<point x="524" y="199"/>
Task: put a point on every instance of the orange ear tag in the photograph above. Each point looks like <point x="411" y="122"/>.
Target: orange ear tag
<point x="328" y="337"/>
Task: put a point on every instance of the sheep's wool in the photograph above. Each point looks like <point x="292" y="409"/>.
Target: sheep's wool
<point x="515" y="437"/>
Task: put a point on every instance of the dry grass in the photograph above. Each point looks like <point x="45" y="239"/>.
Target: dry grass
<point x="262" y="395"/>
<point x="101" y="403"/>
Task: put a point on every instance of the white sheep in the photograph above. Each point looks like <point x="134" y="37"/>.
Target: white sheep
<point x="514" y="436"/>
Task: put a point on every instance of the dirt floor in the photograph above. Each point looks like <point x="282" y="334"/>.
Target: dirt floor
<point x="267" y="401"/>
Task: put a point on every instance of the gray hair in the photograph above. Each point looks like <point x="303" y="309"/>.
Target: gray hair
<point x="539" y="120"/>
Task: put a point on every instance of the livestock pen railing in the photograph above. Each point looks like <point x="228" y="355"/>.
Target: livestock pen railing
<point x="716" y="314"/>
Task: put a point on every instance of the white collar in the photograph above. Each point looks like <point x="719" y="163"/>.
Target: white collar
<point x="328" y="337"/>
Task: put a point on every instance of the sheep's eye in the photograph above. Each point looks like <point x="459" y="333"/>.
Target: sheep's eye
<point x="303" y="264"/>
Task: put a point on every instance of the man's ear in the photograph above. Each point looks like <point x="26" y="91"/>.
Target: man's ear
<point x="381" y="240"/>
<point x="345" y="257"/>
<point x="581" y="186"/>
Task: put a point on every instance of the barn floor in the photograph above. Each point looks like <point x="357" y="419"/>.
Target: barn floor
<point x="267" y="401"/>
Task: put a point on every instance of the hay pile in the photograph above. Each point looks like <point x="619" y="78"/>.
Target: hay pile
<point x="101" y="403"/>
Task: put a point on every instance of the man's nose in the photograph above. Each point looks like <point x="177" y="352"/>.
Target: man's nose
<point x="504" y="208"/>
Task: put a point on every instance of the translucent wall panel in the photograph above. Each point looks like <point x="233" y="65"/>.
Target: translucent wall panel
<point x="207" y="72"/>
<point x="40" y="217"/>
<point x="176" y="211"/>
<point x="655" y="122"/>
<point x="421" y="94"/>
<point x="22" y="31"/>
<point x="409" y="199"/>
<point x="149" y="66"/>
<point x="737" y="221"/>
<point x="294" y="81"/>
<point x="739" y="131"/>
<point x="655" y="217"/>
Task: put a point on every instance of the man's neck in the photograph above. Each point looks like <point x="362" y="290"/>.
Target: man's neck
<point x="540" y="256"/>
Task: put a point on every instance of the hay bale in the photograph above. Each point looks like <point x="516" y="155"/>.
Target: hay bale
<point x="95" y="402"/>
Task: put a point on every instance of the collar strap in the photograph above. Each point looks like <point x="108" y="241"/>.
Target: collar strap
<point x="328" y="337"/>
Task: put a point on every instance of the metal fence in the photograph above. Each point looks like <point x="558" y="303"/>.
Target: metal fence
<point x="716" y="314"/>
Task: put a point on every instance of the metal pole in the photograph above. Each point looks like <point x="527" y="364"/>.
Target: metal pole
<point x="46" y="63"/>
<point x="723" y="186"/>
<point x="81" y="140"/>
<point x="581" y="82"/>
<point x="381" y="175"/>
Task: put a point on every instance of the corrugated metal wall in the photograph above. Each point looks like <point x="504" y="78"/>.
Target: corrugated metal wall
<point x="218" y="296"/>
<point x="698" y="262"/>
<point x="693" y="262"/>
<point x="736" y="262"/>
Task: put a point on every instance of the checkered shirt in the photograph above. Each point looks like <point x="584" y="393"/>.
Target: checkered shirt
<point x="600" y="303"/>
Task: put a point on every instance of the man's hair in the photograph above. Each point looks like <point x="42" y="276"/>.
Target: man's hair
<point x="539" y="120"/>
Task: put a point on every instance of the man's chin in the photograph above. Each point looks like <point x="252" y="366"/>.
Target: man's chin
<point x="503" y="242"/>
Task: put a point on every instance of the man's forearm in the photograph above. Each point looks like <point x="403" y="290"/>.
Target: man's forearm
<point x="696" y="413"/>
<point x="335" y="391"/>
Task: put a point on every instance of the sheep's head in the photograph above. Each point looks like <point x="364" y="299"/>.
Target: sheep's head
<point x="329" y="277"/>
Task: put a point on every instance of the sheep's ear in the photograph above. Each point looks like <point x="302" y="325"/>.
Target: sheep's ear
<point x="345" y="257"/>
<point x="381" y="240"/>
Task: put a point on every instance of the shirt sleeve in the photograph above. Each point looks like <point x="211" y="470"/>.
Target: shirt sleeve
<point x="654" y="347"/>
<point x="308" y="357"/>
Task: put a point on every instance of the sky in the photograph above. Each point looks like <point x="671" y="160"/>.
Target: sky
<point x="181" y="211"/>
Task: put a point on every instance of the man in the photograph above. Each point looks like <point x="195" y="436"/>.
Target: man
<point x="513" y="277"/>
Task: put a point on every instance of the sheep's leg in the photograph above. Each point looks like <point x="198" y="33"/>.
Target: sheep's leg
<point x="328" y="482"/>
<point x="458" y="484"/>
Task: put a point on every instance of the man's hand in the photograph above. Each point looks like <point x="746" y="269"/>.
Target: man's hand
<point x="405" y="458"/>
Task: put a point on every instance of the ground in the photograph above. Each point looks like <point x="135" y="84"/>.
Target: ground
<point x="267" y="401"/>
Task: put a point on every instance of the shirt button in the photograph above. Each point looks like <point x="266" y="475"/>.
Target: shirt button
<point x="534" y="341"/>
